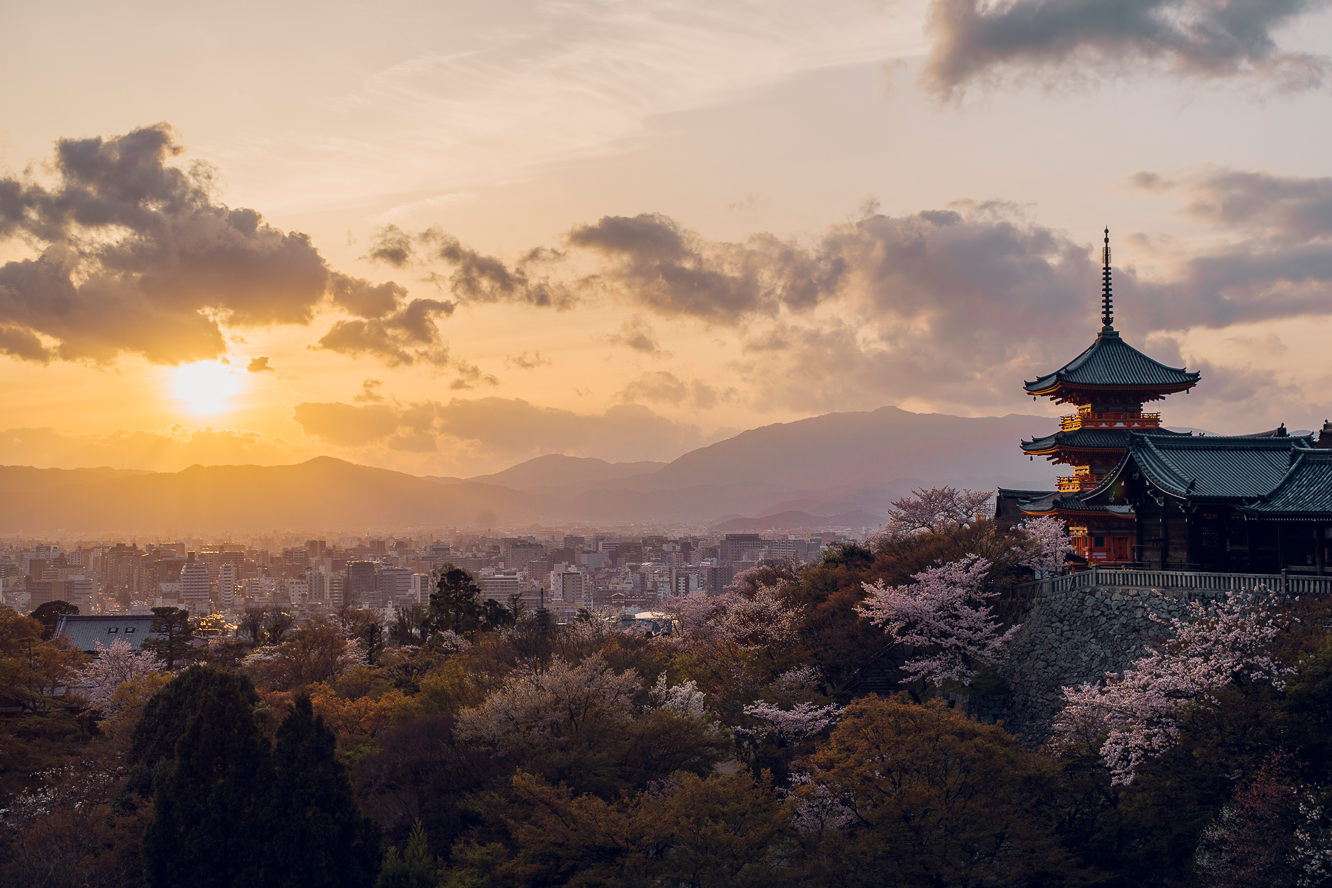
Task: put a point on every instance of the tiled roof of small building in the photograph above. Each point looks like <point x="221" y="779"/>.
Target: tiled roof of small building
<point x="1214" y="467"/>
<point x="85" y="630"/>
<point x="1305" y="490"/>
<point x="1110" y="362"/>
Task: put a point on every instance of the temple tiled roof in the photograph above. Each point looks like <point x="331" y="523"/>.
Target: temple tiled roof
<point x="1212" y="467"/>
<point x="84" y="631"/>
<point x="1305" y="490"/>
<point x="1110" y="362"/>
<point x="1089" y="439"/>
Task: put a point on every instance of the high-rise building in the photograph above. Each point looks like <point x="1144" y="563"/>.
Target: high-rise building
<point x="227" y="577"/>
<point x="194" y="586"/>
<point x="737" y="547"/>
<point x="359" y="589"/>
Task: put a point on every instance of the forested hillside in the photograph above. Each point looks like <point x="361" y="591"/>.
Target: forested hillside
<point x="811" y="727"/>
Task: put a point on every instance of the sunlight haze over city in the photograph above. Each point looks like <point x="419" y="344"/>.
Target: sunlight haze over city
<point x="446" y="238"/>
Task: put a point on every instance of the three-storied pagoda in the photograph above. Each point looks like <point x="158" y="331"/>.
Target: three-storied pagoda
<point x="1141" y="494"/>
<point x="1107" y="385"/>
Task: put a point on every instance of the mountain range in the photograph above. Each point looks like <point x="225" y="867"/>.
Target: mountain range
<point x="835" y="470"/>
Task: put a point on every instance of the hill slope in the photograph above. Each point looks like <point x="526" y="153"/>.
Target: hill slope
<point x="827" y="465"/>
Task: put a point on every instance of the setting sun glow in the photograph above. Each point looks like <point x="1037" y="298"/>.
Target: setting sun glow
<point x="205" y="387"/>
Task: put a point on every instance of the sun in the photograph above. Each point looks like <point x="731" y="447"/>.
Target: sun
<point x="205" y="387"/>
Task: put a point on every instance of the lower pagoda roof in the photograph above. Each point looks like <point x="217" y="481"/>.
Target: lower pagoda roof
<point x="1089" y="439"/>
<point x="1052" y="502"/>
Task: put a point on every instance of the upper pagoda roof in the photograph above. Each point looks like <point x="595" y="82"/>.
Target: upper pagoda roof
<point x="1111" y="363"/>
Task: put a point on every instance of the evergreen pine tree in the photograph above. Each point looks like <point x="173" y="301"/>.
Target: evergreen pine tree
<point x="211" y="814"/>
<point x="165" y="717"/>
<point x="416" y="867"/>
<point x="319" y="836"/>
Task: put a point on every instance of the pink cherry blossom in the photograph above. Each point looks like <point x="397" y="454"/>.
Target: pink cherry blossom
<point x="944" y="613"/>
<point x="1137" y="712"/>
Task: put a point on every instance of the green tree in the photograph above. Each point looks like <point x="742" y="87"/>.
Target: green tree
<point x="455" y="603"/>
<point x="212" y="818"/>
<point x="171" y="636"/>
<point x="319" y="836"/>
<point x="415" y="867"/>
<point x="923" y="796"/>
<point x="167" y="714"/>
<point x="48" y="615"/>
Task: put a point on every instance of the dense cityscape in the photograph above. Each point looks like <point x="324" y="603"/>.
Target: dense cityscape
<point x="599" y="574"/>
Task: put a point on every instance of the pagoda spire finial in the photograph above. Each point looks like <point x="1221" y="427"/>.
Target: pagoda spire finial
<point x="1107" y="301"/>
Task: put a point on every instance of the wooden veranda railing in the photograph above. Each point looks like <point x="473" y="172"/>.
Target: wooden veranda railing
<point x="1185" y="581"/>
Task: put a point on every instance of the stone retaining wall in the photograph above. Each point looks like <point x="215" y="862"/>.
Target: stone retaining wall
<point x="1074" y="636"/>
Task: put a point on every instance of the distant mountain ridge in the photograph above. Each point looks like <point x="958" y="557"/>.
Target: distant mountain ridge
<point x="828" y="467"/>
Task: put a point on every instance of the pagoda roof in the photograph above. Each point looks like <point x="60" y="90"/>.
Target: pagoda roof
<point x="1306" y="489"/>
<point x="1051" y="502"/>
<point x="1111" y="363"/>
<point x="1206" y="467"/>
<point x="1089" y="439"/>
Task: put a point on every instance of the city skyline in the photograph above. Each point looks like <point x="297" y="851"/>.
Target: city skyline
<point x="446" y="241"/>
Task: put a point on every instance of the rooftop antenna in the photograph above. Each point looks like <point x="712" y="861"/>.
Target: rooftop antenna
<point x="1107" y="301"/>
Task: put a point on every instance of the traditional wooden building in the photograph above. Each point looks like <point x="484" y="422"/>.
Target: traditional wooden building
<point x="1107" y="385"/>
<point x="1144" y="495"/>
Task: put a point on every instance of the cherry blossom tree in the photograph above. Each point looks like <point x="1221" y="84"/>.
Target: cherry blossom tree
<point x="737" y="622"/>
<point x="1047" y="544"/>
<point x="556" y="703"/>
<point x="114" y="665"/>
<point x="944" y="613"/>
<point x="684" y="699"/>
<point x="804" y="721"/>
<point x="933" y="510"/>
<point x="1136" y="713"/>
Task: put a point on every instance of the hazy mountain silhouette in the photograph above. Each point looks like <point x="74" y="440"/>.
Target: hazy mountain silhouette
<point x="555" y="471"/>
<point x="827" y="465"/>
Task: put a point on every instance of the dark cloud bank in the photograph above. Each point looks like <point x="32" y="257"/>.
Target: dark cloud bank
<point x="134" y="254"/>
<point x="975" y="40"/>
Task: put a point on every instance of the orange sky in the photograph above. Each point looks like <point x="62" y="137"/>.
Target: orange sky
<point x="447" y="239"/>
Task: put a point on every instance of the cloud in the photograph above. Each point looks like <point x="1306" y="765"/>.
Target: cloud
<point x="469" y="376"/>
<point x="347" y="425"/>
<point x="664" y="387"/>
<point x="133" y="254"/>
<point x="528" y="360"/>
<point x="407" y="336"/>
<point x="1284" y="208"/>
<point x="500" y="428"/>
<point x="260" y="365"/>
<point x="974" y="41"/>
<point x="472" y="276"/>
<point x="1278" y="264"/>
<point x="637" y="334"/>
<point x="392" y="245"/>
<point x="652" y="262"/>
<point x="370" y="391"/>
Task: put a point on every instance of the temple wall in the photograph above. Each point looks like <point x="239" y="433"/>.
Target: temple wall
<point x="1074" y="636"/>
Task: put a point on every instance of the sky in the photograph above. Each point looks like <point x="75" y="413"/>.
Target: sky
<point x="445" y="238"/>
